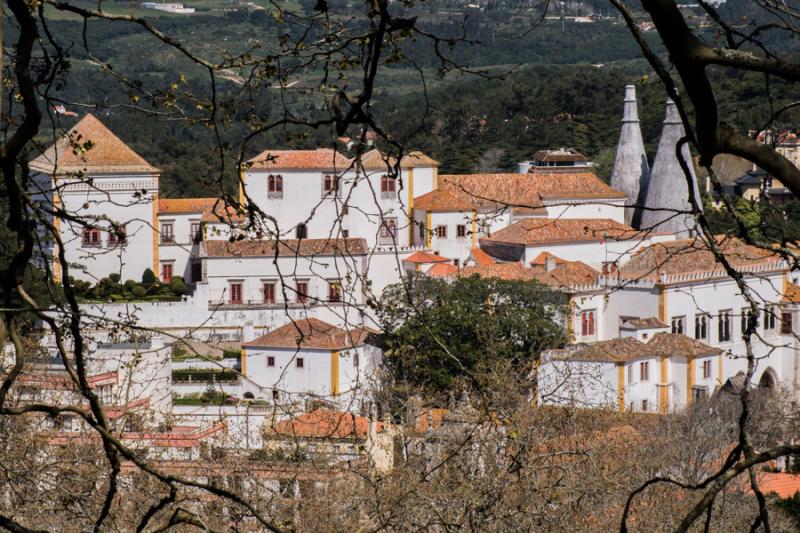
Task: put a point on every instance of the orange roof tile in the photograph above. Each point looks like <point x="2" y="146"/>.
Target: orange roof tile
<point x="495" y="191"/>
<point x="375" y="160"/>
<point x="311" y="334"/>
<point x="783" y="484"/>
<point x="481" y="257"/>
<point x="423" y="257"/>
<point x="566" y="275"/>
<point x="323" y="423"/>
<point x="90" y="147"/>
<point x="319" y="159"/>
<point x="629" y="348"/>
<point x="691" y="255"/>
<point x="288" y="247"/>
<point x="186" y="205"/>
<point x="531" y="231"/>
<point x="643" y="323"/>
<point x="541" y="259"/>
<point x="678" y="344"/>
<point x="442" y="270"/>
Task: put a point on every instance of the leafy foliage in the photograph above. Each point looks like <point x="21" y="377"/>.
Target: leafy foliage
<point x="439" y="336"/>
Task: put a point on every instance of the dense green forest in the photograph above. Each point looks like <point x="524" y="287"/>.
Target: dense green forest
<point x="555" y="85"/>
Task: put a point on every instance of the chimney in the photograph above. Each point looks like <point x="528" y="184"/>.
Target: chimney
<point x="631" y="173"/>
<point x="667" y="197"/>
<point x="549" y="263"/>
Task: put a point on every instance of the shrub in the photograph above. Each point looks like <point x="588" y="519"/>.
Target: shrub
<point x="178" y="286"/>
<point x="148" y="278"/>
<point x="139" y="291"/>
<point x="114" y="277"/>
<point x="129" y="285"/>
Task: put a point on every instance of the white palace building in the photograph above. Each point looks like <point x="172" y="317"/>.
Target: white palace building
<point x="656" y="323"/>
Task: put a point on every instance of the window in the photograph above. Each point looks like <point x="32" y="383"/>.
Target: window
<point x="345" y="233"/>
<point x="91" y="237"/>
<point x="630" y="373"/>
<point x="422" y="231"/>
<point x="701" y="327"/>
<point x="355" y="359"/>
<point x="302" y="292"/>
<point x="746" y="320"/>
<point x="786" y="323"/>
<point x="441" y="232"/>
<point x="644" y="371"/>
<point x="770" y="319"/>
<point x="461" y="231"/>
<point x="678" y="324"/>
<point x="276" y="395"/>
<point x="104" y="392"/>
<point x="268" y="292"/>
<point x="166" y="272"/>
<point x="334" y="291"/>
<point x="388" y="186"/>
<point x="274" y="186"/>
<point x="299" y="362"/>
<point x="645" y="406"/>
<point x="117" y="236"/>
<point x="706" y="369"/>
<point x="699" y="394"/>
<point x="195" y="232"/>
<point x="587" y="324"/>
<point x="301" y="232"/>
<point x="236" y="293"/>
<point x="329" y="184"/>
<point x="388" y="231"/>
<point x="270" y="361"/>
<point x="167" y="235"/>
<point x="724" y="326"/>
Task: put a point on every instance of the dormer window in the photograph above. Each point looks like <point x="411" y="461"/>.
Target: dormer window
<point x="388" y="186"/>
<point x="275" y="186"/>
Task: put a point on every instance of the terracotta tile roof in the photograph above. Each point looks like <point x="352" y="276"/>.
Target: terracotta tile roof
<point x="375" y="160"/>
<point x="783" y="484"/>
<point x="628" y="349"/>
<point x="423" y="257"/>
<point x="323" y="423"/>
<point x="643" y="323"/>
<point x="559" y="155"/>
<point x="289" y="247"/>
<point x="541" y="259"/>
<point x="319" y="159"/>
<point x="613" y="350"/>
<point x="566" y="275"/>
<point x="533" y="231"/>
<point x="523" y="193"/>
<point x="443" y="270"/>
<point x="677" y="344"/>
<point x="311" y="334"/>
<point x="791" y="293"/>
<point x="481" y="257"/>
<point x="186" y="205"/>
<point x="504" y="271"/>
<point x="90" y="147"/>
<point x="222" y="213"/>
<point x="689" y="256"/>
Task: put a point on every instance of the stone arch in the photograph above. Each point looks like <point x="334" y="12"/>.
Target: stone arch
<point x="768" y="380"/>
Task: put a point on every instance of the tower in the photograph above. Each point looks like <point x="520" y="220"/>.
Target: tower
<point x="631" y="172"/>
<point x="666" y="205"/>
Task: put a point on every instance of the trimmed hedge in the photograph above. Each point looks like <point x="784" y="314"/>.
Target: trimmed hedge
<point x="202" y="374"/>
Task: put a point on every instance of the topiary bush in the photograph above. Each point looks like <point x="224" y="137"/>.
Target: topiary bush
<point x="148" y="278"/>
<point x="178" y="286"/>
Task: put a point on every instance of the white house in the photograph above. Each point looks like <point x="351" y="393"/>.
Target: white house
<point x="310" y="359"/>
<point x="105" y="199"/>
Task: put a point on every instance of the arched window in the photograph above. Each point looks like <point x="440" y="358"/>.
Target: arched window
<point x="387" y="184"/>
<point x="302" y="231"/>
<point x="274" y="186"/>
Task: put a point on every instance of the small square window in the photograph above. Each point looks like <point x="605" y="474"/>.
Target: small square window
<point x="299" y="363"/>
<point x="461" y="231"/>
<point x="270" y="361"/>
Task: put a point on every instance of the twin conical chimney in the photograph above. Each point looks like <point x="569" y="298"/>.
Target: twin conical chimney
<point x="666" y="206"/>
<point x="631" y="172"/>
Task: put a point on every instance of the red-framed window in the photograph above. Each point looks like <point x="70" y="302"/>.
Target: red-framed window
<point x="166" y="272"/>
<point x="117" y="235"/>
<point x="302" y="292"/>
<point x="389" y="228"/>
<point x="270" y="361"/>
<point x="587" y="323"/>
<point x="461" y="231"/>
<point x="706" y="369"/>
<point x="91" y="237"/>
<point x="275" y="183"/>
<point x="167" y="232"/>
<point x="334" y="291"/>
<point x="268" y="292"/>
<point x="388" y="184"/>
<point x="329" y="184"/>
<point x="235" y="293"/>
<point x="644" y="371"/>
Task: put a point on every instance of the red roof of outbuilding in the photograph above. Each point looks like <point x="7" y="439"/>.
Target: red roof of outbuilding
<point x="319" y="159"/>
<point x="312" y="334"/>
<point x="423" y="257"/>
<point x="323" y="423"/>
